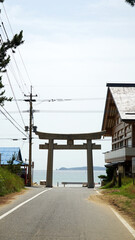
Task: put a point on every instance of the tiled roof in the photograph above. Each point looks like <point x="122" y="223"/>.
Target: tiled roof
<point x="120" y="101"/>
<point x="124" y="98"/>
<point x="7" y="154"/>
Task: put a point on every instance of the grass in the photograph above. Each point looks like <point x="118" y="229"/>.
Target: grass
<point x="9" y="182"/>
<point x="127" y="189"/>
<point x="123" y="198"/>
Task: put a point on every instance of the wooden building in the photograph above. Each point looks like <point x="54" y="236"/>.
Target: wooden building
<point x="119" y="123"/>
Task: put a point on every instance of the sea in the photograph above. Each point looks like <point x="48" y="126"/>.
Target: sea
<point x="60" y="176"/>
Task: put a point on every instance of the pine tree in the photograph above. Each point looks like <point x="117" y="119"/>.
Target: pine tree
<point x="131" y="2"/>
<point x="5" y="59"/>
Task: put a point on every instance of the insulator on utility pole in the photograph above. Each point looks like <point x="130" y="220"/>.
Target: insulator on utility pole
<point x="34" y="128"/>
<point x="26" y="128"/>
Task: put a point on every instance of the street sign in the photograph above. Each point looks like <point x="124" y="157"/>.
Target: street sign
<point x="133" y="164"/>
<point x="120" y="169"/>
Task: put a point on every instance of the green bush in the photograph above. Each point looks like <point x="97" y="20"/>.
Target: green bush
<point x="9" y="182"/>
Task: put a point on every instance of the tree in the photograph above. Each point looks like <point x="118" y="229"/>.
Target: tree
<point x="131" y="2"/>
<point x="14" y="168"/>
<point x="5" y="59"/>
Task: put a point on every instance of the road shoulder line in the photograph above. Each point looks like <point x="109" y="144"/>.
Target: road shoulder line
<point x="123" y="221"/>
<point x="23" y="203"/>
<point x="130" y="229"/>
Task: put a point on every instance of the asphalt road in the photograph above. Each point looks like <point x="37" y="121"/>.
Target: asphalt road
<point x="60" y="214"/>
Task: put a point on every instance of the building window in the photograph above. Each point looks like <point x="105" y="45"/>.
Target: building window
<point x="129" y="142"/>
<point x="121" y="144"/>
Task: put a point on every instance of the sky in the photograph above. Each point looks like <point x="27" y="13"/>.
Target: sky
<point x="71" y="50"/>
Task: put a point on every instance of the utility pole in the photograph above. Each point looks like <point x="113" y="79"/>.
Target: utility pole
<point x="30" y="100"/>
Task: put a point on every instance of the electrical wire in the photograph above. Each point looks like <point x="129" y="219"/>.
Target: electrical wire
<point x="60" y="111"/>
<point x="12" y="118"/>
<point x="14" y="139"/>
<point x="71" y="111"/>
<point x="12" y="123"/>
<point x="15" y="98"/>
<point x="24" y="65"/>
<point x="12" y="54"/>
<point x="68" y="100"/>
<point x="8" y="19"/>
<point x="18" y="70"/>
<point x="10" y="67"/>
<point x="12" y="89"/>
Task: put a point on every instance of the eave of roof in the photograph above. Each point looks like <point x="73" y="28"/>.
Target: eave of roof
<point x="109" y="113"/>
<point x="120" y="84"/>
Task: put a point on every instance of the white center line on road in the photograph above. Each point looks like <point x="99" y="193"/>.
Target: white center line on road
<point x="21" y="204"/>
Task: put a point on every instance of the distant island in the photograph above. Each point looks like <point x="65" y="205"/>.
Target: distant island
<point x="83" y="168"/>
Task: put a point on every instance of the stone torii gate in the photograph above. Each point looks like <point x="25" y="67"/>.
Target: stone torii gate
<point x="89" y="146"/>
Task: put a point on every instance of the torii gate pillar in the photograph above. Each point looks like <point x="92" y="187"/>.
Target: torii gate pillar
<point x="49" y="176"/>
<point x="90" y="165"/>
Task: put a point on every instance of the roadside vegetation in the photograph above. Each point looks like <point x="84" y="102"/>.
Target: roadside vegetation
<point x="9" y="182"/>
<point x="122" y="198"/>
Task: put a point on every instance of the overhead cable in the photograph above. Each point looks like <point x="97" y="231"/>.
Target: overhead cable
<point x="13" y="123"/>
<point x="12" y="118"/>
<point x="17" y="67"/>
<point x="15" y="97"/>
<point x="10" y="66"/>
<point x="18" y="49"/>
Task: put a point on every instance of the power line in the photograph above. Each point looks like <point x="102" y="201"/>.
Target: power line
<point x="12" y="118"/>
<point x="52" y="100"/>
<point x="68" y="100"/>
<point x="15" y="97"/>
<point x="13" y="123"/>
<point x="60" y="111"/>
<point x="9" y="79"/>
<point x="71" y="111"/>
<point x="8" y="19"/>
<point x="10" y="66"/>
<point x="14" y="139"/>
<point x="27" y="74"/>
<point x="17" y="67"/>
<point x="14" y="75"/>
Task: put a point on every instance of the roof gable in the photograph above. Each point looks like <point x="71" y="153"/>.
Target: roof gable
<point x="124" y="100"/>
<point x="109" y="113"/>
<point x="119" y="101"/>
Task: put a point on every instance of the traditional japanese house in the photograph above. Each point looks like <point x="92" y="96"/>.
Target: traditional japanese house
<point x="119" y="123"/>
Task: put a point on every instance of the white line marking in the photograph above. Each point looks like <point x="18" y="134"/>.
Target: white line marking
<point x="97" y="191"/>
<point x="130" y="229"/>
<point x="21" y="204"/>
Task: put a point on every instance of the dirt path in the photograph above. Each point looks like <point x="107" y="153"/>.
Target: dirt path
<point x="7" y="199"/>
